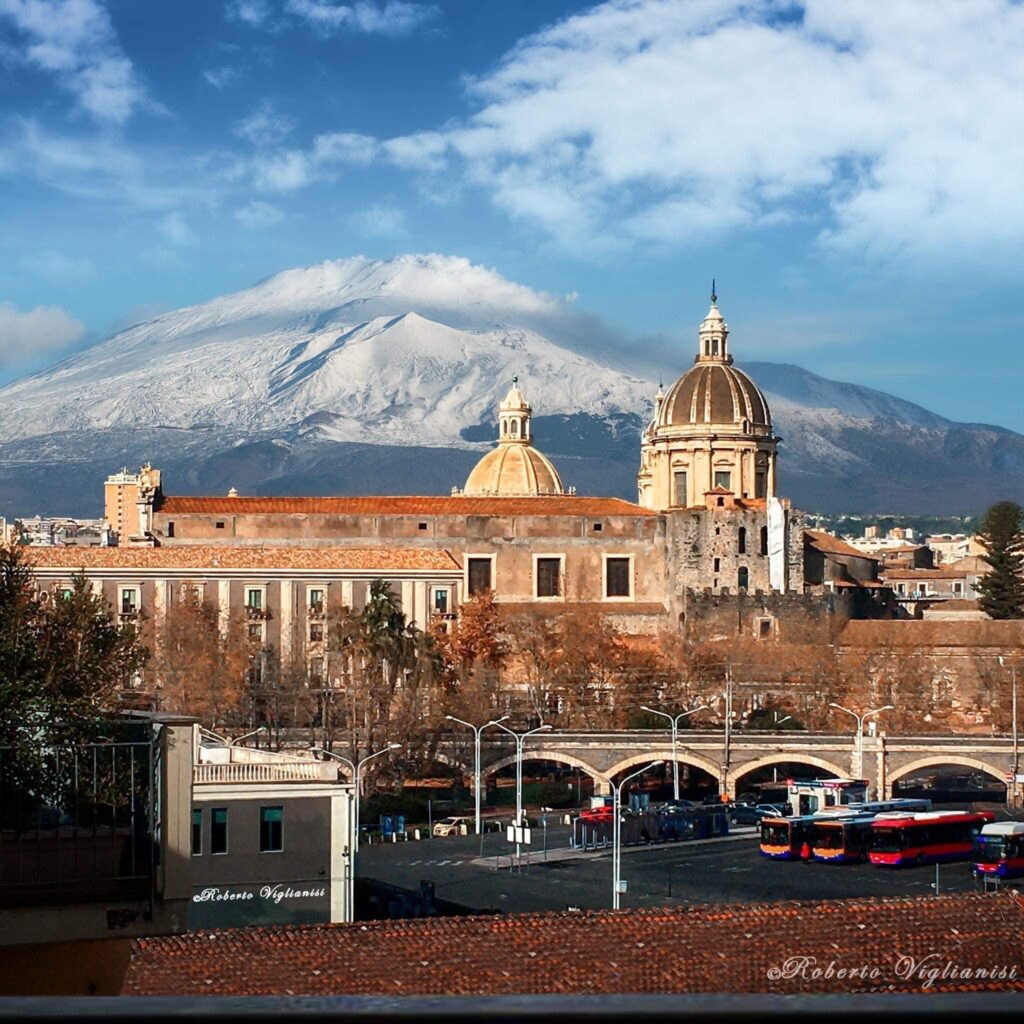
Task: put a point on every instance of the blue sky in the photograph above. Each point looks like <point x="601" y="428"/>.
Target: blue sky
<point x="852" y="174"/>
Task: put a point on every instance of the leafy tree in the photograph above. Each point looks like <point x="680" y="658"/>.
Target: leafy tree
<point x="1002" y="533"/>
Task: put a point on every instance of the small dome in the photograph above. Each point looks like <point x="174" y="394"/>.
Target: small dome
<point x="715" y="393"/>
<point x="513" y="470"/>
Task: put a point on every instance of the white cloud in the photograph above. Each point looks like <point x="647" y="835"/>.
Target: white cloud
<point x="57" y="265"/>
<point x="254" y="13"/>
<point x="37" y="333"/>
<point x="345" y="147"/>
<point x="392" y="18"/>
<point x="665" y="122"/>
<point x="75" y="41"/>
<point x="283" y="171"/>
<point x="381" y="220"/>
<point x="175" y="229"/>
<point x="258" y="214"/>
<point x="264" y="126"/>
<point x="222" y="77"/>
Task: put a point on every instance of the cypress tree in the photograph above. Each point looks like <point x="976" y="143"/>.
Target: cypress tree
<point x="1002" y="533"/>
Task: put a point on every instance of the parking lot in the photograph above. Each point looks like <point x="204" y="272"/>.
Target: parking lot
<point x="713" y="871"/>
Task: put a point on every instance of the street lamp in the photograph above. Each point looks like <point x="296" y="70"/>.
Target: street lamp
<point x="353" y="824"/>
<point x="477" y="729"/>
<point x="860" y="731"/>
<point x="1013" y="705"/>
<point x="617" y="832"/>
<point x="675" y="720"/>
<point x="520" y="738"/>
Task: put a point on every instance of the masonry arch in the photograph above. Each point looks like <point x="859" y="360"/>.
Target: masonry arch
<point x="534" y="754"/>
<point x="943" y="760"/>
<point x="740" y="772"/>
<point x="683" y="757"/>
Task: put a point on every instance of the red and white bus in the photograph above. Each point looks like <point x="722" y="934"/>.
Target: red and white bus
<point x="900" y="839"/>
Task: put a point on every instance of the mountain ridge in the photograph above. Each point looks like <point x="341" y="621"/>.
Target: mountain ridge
<point x="415" y="353"/>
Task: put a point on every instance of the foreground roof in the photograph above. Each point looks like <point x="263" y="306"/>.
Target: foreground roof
<point x="730" y="947"/>
<point x="231" y="557"/>
<point x="407" y="505"/>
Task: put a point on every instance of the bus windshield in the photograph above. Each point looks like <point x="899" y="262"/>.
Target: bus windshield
<point x="889" y="840"/>
<point x="990" y="851"/>
<point x="775" y="834"/>
<point x="830" y="837"/>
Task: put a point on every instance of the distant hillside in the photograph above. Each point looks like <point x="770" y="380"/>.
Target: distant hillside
<point x="360" y="376"/>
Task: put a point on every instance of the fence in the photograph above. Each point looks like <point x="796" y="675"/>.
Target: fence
<point x="76" y="824"/>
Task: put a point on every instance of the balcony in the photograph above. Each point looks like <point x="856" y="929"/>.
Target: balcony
<point x="254" y="614"/>
<point x="316" y="613"/>
<point x="279" y="771"/>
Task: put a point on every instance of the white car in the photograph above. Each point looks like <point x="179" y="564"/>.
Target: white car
<point x="452" y="827"/>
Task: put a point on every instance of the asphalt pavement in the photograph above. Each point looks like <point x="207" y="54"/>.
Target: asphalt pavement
<point x="715" y="871"/>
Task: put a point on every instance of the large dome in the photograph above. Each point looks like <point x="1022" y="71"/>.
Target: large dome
<point x="715" y="393"/>
<point x="513" y="470"/>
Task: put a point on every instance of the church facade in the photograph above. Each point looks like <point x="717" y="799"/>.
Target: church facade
<point x="707" y="522"/>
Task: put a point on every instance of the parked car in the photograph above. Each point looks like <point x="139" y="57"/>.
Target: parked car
<point x="751" y="814"/>
<point x="453" y="826"/>
<point x="674" y="806"/>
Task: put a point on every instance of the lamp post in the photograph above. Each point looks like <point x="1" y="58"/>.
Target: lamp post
<point x="520" y="739"/>
<point x="477" y="729"/>
<point x="1013" y="713"/>
<point x="860" y="731"/>
<point x="617" y="831"/>
<point x="675" y="720"/>
<point x="353" y="825"/>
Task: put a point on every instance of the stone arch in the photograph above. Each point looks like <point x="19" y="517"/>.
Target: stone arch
<point x="683" y="757"/>
<point x="533" y="754"/>
<point x="782" y="758"/>
<point x="941" y="759"/>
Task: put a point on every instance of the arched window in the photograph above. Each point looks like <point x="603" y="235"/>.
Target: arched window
<point x="504" y="427"/>
<point x="743" y="578"/>
<point x="742" y="540"/>
<point x="515" y="428"/>
<point x="714" y="347"/>
<point x="764" y="540"/>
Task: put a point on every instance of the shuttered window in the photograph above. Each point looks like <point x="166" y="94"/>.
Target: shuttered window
<point x="479" y="576"/>
<point x="549" y="577"/>
<point x="617" y="577"/>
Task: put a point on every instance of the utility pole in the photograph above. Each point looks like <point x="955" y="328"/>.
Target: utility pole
<point x="477" y="730"/>
<point x="1015" y="766"/>
<point x="858" y="770"/>
<point x="728" y="727"/>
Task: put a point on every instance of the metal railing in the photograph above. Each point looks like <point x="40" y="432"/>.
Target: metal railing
<point x="76" y="824"/>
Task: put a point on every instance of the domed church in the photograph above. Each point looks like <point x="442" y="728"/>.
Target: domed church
<point x="515" y="469"/>
<point x="711" y="434"/>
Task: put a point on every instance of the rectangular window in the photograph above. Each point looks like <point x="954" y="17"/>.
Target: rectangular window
<point x="65" y="593"/>
<point x="316" y="632"/>
<point x="958" y="588"/>
<point x="717" y="565"/>
<point x="316" y="670"/>
<point x="479" y="576"/>
<point x="254" y="598"/>
<point x="129" y="600"/>
<point x="271" y="829"/>
<point x="549" y="577"/>
<point x="723" y="478"/>
<point x="197" y="833"/>
<point x="255" y="630"/>
<point x="170" y="529"/>
<point x="316" y="601"/>
<point x="219" y="830"/>
<point x="617" y="577"/>
<point x="680" y="489"/>
<point x="441" y="602"/>
<point x="219" y="524"/>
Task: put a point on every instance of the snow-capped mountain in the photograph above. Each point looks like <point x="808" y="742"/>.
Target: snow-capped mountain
<point x="383" y="376"/>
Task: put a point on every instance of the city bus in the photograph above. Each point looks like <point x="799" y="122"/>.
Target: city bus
<point x="899" y="839"/>
<point x="842" y="840"/>
<point x="848" y="840"/>
<point x="791" y="838"/>
<point x="999" y="850"/>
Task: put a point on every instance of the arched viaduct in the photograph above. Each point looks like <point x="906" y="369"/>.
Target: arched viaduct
<point x="606" y="756"/>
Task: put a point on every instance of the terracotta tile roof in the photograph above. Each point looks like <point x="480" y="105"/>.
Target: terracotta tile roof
<point x="829" y="544"/>
<point x="415" y="505"/>
<point x="730" y="948"/>
<point x="890" y="572"/>
<point x="1007" y="633"/>
<point x="237" y="557"/>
